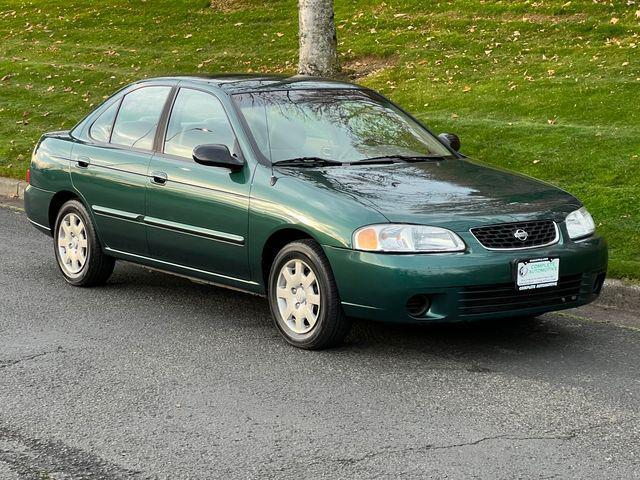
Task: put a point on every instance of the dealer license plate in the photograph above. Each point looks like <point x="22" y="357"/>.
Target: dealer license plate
<point x="537" y="273"/>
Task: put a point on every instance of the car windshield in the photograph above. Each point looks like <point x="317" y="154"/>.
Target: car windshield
<point x="341" y="125"/>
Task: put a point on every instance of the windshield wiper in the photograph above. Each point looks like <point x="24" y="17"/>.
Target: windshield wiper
<point x="376" y="161"/>
<point x="307" y="162"/>
<point x="405" y="158"/>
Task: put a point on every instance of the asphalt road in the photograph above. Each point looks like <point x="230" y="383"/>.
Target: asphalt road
<point x="153" y="376"/>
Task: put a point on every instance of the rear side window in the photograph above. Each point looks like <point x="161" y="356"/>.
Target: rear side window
<point x="138" y="117"/>
<point x="197" y="118"/>
<point x="101" y="128"/>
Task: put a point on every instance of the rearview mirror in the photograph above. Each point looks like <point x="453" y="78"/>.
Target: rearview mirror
<point x="450" y="139"/>
<point x="217" y="156"/>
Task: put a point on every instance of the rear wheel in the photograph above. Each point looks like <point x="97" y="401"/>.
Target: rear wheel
<point x="77" y="249"/>
<point x="304" y="299"/>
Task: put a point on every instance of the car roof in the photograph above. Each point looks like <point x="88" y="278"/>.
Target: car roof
<point x="241" y="83"/>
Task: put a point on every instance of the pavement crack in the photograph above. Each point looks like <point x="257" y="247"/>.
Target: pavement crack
<point x="427" y="448"/>
<point x="8" y="363"/>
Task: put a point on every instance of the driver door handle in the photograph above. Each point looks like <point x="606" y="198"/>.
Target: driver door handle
<point x="83" y="162"/>
<point x="159" y="178"/>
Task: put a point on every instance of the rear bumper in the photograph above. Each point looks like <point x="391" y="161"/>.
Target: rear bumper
<point x="36" y="206"/>
<point x="474" y="285"/>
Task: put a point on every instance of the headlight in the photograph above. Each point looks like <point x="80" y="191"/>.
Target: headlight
<point x="406" y="238"/>
<point x="580" y="224"/>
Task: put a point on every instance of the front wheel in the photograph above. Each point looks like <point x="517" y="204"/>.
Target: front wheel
<point x="304" y="299"/>
<point x="77" y="248"/>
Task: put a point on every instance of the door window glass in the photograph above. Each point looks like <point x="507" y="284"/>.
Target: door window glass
<point x="197" y="118"/>
<point x="101" y="128"/>
<point x="139" y="116"/>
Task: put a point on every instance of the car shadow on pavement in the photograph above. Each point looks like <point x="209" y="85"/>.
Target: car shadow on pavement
<point x="523" y="338"/>
<point x="470" y="341"/>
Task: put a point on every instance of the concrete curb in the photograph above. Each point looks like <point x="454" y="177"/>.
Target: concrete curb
<point x="12" y="188"/>
<point x="620" y="295"/>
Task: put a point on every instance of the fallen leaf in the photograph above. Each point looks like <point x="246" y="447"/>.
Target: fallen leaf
<point x="238" y="24"/>
<point x="466" y="88"/>
<point x="454" y="115"/>
<point x="536" y="161"/>
<point x="188" y="35"/>
<point x="279" y="34"/>
<point x="624" y="64"/>
<point x="614" y="20"/>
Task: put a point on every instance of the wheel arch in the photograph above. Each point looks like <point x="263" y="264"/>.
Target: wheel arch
<point x="56" y="203"/>
<point x="275" y="242"/>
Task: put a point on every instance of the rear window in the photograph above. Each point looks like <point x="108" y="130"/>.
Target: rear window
<point x="138" y="117"/>
<point x="101" y="128"/>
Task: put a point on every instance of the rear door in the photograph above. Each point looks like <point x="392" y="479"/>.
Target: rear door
<point x="110" y="170"/>
<point x="197" y="216"/>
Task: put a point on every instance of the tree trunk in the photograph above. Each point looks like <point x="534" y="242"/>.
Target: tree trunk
<point x="318" y="43"/>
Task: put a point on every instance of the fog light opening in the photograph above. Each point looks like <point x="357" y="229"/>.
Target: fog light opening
<point x="597" y="285"/>
<point x="418" y="305"/>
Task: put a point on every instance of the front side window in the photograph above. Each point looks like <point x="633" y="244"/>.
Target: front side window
<point x="138" y="117"/>
<point x="197" y="118"/>
<point x="344" y="125"/>
<point x="101" y="128"/>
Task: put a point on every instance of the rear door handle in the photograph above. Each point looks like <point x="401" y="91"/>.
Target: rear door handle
<point x="83" y="162"/>
<point x="159" y="177"/>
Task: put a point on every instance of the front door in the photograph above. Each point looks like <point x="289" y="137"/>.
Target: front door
<point x="110" y="171"/>
<point x="197" y="216"/>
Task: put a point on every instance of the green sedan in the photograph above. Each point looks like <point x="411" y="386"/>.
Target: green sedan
<point x="323" y="196"/>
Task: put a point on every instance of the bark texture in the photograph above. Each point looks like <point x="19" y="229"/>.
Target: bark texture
<point x="318" y="42"/>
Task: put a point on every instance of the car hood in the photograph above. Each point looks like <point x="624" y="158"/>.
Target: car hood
<point x="457" y="193"/>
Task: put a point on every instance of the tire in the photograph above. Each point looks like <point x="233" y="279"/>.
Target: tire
<point x="302" y="289"/>
<point x="77" y="249"/>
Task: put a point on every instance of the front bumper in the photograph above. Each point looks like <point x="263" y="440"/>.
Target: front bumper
<point x="377" y="285"/>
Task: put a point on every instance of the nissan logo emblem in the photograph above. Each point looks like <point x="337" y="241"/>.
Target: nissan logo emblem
<point x="521" y="235"/>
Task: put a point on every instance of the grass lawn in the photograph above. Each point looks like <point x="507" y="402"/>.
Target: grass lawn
<point x="550" y="88"/>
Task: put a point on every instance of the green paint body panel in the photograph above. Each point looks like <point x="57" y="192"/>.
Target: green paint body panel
<point x="209" y="199"/>
<point x="116" y="178"/>
<point x="211" y="224"/>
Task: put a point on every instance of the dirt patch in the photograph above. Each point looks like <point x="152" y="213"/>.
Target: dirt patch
<point x="368" y="65"/>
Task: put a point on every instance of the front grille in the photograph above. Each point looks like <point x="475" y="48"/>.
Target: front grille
<point x="504" y="236"/>
<point x="504" y="297"/>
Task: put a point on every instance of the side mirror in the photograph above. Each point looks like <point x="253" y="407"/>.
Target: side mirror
<point x="450" y="139"/>
<point x="217" y="156"/>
